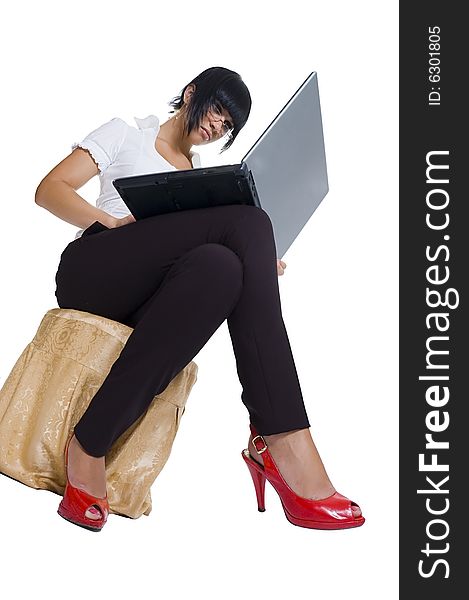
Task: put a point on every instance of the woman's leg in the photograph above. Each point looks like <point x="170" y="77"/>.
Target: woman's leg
<point x="197" y="294"/>
<point x="194" y="299"/>
<point x="167" y="265"/>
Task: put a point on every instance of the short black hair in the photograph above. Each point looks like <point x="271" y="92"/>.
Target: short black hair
<point x="217" y="88"/>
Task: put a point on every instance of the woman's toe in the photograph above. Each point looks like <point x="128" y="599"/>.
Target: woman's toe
<point x="356" y="511"/>
<point x="93" y="513"/>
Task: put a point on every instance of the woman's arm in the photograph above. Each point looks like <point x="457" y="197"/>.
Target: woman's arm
<point x="57" y="194"/>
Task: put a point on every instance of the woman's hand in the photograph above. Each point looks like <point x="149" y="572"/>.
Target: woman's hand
<point x="281" y="266"/>
<point x="123" y="221"/>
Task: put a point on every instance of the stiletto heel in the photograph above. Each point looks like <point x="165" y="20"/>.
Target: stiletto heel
<point x="76" y="502"/>
<point x="333" y="512"/>
<point x="258" y="479"/>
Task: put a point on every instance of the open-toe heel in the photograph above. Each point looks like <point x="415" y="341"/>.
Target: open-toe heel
<point x="333" y="512"/>
<point x="76" y="502"/>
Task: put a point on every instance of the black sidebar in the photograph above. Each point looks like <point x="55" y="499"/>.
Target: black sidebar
<point x="434" y="269"/>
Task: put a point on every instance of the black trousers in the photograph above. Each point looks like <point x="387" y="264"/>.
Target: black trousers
<point x="175" y="278"/>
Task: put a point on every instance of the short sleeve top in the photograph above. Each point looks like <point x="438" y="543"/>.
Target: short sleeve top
<point x="121" y="150"/>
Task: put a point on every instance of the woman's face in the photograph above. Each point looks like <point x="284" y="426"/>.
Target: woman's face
<point x="215" y="125"/>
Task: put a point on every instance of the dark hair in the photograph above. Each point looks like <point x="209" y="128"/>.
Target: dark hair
<point x="217" y="88"/>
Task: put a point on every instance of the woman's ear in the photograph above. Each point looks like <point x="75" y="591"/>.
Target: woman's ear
<point x="189" y="91"/>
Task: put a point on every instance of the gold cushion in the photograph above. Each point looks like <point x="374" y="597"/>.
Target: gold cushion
<point x="49" y="389"/>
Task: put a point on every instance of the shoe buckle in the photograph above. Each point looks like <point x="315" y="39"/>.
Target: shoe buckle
<point x="263" y="441"/>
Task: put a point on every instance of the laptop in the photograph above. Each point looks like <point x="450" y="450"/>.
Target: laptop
<point x="284" y="173"/>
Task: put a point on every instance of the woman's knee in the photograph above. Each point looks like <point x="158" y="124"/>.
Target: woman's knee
<point x="254" y="222"/>
<point x="255" y="214"/>
<point x="222" y="264"/>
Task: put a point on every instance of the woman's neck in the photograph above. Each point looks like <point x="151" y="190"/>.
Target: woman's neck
<point x="172" y="133"/>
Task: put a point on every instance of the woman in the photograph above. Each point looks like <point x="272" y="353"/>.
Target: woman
<point x="175" y="278"/>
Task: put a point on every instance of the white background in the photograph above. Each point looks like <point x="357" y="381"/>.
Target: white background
<point x="64" y="65"/>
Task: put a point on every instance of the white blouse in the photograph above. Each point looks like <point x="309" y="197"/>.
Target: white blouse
<point x="121" y="150"/>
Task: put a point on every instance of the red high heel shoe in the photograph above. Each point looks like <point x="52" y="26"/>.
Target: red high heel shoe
<point x="333" y="512"/>
<point x="76" y="502"/>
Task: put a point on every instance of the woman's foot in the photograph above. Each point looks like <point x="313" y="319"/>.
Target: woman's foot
<point x="299" y="463"/>
<point x="88" y="473"/>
